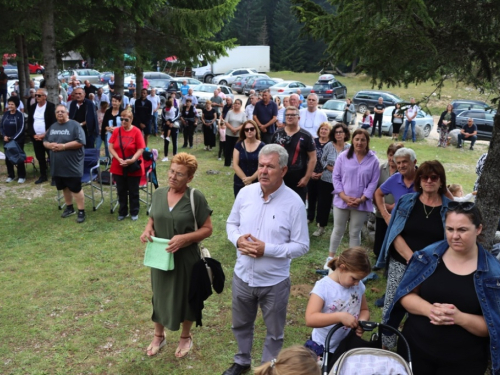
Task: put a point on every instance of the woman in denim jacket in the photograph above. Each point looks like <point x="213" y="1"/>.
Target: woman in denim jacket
<point x="451" y="291"/>
<point x="417" y="221"/>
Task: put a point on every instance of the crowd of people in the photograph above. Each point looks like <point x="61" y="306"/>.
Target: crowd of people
<point x="426" y="237"/>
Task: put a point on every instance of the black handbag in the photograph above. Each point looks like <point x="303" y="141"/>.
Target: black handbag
<point x="136" y="165"/>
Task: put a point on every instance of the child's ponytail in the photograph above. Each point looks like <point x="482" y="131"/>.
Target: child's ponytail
<point x="354" y="259"/>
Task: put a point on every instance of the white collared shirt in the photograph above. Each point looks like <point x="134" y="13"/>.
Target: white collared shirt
<point x="249" y="111"/>
<point x="311" y="121"/>
<point x="39" y="119"/>
<point x="280" y="222"/>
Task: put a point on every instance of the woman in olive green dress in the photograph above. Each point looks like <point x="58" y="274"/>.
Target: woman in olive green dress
<point x="171" y="218"/>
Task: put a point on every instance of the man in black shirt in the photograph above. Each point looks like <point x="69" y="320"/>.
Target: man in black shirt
<point x="83" y="111"/>
<point x="89" y="89"/>
<point x="379" y="113"/>
<point x="301" y="150"/>
<point x="142" y="114"/>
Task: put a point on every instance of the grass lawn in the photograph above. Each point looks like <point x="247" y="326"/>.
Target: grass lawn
<point x="451" y="90"/>
<point x="76" y="298"/>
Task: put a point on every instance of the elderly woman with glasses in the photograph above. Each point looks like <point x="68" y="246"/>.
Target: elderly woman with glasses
<point x="417" y="220"/>
<point x="126" y="146"/>
<point x="246" y="156"/>
<point x="172" y="218"/>
<point x="450" y="291"/>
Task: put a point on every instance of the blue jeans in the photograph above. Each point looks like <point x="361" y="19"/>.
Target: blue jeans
<point x="100" y="142"/>
<point x="472" y="139"/>
<point x="154" y="123"/>
<point x="413" y="135"/>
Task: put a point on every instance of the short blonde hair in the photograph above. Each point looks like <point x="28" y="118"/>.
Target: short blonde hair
<point x="324" y="124"/>
<point x="295" y="360"/>
<point x="187" y="160"/>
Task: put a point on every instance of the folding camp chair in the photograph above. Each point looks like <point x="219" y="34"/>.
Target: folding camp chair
<point x="31" y="160"/>
<point x="91" y="178"/>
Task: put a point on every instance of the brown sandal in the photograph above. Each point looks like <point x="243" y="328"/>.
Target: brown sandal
<point x="180" y="353"/>
<point x="153" y="349"/>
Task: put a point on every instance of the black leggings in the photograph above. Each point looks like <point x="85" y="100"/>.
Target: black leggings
<point x="173" y="134"/>
<point x="325" y="198"/>
<point x="228" y="151"/>
<point x="188" y="133"/>
<point x="313" y="199"/>
<point x="380" y="229"/>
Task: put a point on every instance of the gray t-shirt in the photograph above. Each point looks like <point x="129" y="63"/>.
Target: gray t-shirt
<point x="67" y="163"/>
<point x="236" y="120"/>
<point x="217" y="99"/>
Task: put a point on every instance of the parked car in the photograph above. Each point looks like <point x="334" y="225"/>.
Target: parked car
<point x="334" y="110"/>
<point x="91" y="75"/>
<point x="328" y="87"/>
<point x="10" y="71"/>
<point x="229" y="77"/>
<point x="482" y="119"/>
<point x="156" y="75"/>
<point x="205" y="91"/>
<point x="36" y="68"/>
<point x="190" y="81"/>
<point x="423" y="120"/>
<point x="466" y="105"/>
<point x="165" y="86"/>
<point x="290" y="87"/>
<point x="258" y="84"/>
<point x="241" y="80"/>
<point x="367" y="99"/>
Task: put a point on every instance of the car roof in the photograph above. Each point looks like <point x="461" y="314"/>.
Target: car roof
<point x="468" y="101"/>
<point x="476" y="111"/>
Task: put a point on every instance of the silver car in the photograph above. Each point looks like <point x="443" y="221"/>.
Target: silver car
<point x="229" y="77"/>
<point x="91" y="75"/>
<point x="205" y="91"/>
<point x="334" y="110"/>
<point x="423" y="120"/>
<point x="290" y="87"/>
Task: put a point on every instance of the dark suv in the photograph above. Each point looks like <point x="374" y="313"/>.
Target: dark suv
<point x="328" y="88"/>
<point x="482" y="119"/>
<point x="465" y="105"/>
<point x="258" y="84"/>
<point x="367" y="99"/>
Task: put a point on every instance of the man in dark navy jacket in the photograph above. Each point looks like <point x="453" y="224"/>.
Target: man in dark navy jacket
<point x="83" y="111"/>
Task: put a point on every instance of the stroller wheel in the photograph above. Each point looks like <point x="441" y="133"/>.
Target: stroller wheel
<point x="374" y="337"/>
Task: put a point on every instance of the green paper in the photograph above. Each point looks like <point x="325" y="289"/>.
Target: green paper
<point x="156" y="256"/>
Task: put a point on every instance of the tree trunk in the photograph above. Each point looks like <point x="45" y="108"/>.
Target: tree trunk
<point x="21" y="73"/>
<point x="139" y="72"/>
<point x="26" y="62"/>
<point x="119" y="60"/>
<point x="49" y="52"/>
<point x="488" y="195"/>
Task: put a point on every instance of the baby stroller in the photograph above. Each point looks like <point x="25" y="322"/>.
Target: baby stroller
<point x="367" y="358"/>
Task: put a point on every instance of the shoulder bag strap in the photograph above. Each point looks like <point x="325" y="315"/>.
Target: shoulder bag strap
<point x="191" y="198"/>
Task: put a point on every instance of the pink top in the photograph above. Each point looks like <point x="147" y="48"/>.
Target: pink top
<point x="222" y="134"/>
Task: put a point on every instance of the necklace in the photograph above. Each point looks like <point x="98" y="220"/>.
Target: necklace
<point x="428" y="214"/>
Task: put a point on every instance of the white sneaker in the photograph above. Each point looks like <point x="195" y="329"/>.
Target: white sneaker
<point x="21" y="181"/>
<point x="164" y="159"/>
<point x="162" y="137"/>
<point x="325" y="267"/>
<point x="219" y="159"/>
<point x="319" y="232"/>
<point x="168" y="139"/>
<point x="9" y="180"/>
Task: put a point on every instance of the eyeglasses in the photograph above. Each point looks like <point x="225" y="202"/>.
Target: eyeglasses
<point x="339" y="132"/>
<point x="60" y="111"/>
<point x="311" y="100"/>
<point x="39" y="95"/>
<point x="466" y="206"/>
<point x="125" y="119"/>
<point x="290" y="115"/>
<point x="433" y="178"/>
<point x="177" y="174"/>
<point x="248" y="130"/>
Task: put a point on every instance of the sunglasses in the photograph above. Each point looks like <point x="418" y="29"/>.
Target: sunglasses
<point x="433" y="177"/>
<point x="466" y="206"/>
<point x="39" y="95"/>
<point x="248" y="130"/>
<point x="125" y="119"/>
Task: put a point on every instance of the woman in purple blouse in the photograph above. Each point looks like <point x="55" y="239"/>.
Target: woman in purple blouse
<point x="355" y="177"/>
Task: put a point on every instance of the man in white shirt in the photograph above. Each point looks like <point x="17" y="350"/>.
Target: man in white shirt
<point x="311" y="117"/>
<point x="268" y="226"/>
<point x="194" y="99"/>
<point x="155" y="101"/>
<point x="41" y="115"/>
<point x="411" y="113"/>
<point x="249" y="109"/>
<point x="100" y="97"/>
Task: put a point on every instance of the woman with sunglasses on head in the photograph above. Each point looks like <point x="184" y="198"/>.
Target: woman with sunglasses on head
<point x="111" y="120"/>
<point x="451" y="292"/>
<point x="416" y="221"/>
<point x="246" y="156"/>
<point x="126" y="146"/>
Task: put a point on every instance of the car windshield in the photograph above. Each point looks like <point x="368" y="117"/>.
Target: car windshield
<point x="319" y="86"/>
<point x="397" y="98"/>
<point x="334" y="105"/>
<point x="229" y="72"/>
<point x="206" y="88"/>
<point x="282" y="84"/>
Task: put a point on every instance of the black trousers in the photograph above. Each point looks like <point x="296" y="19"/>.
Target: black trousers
<point x="21" y="168"/>
<point x="40" y="154"/>
<point x="325" y="199"/>
<point x="266" y="138"/>
<point x="127" y="188"/>
<point x="377" y="120"/>
<point x="222" y="145"/>
<point x="228" y="151"/>
<point x="174" y="132"/>
<point x="312" y="198"/>
<point x="380" y="229"/>
<point x="188" y="132"/>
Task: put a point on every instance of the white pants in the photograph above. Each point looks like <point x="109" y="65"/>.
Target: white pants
<point x="340" y="217"/>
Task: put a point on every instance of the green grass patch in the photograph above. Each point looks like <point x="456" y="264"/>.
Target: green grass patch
<point x="77" y="299"/>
